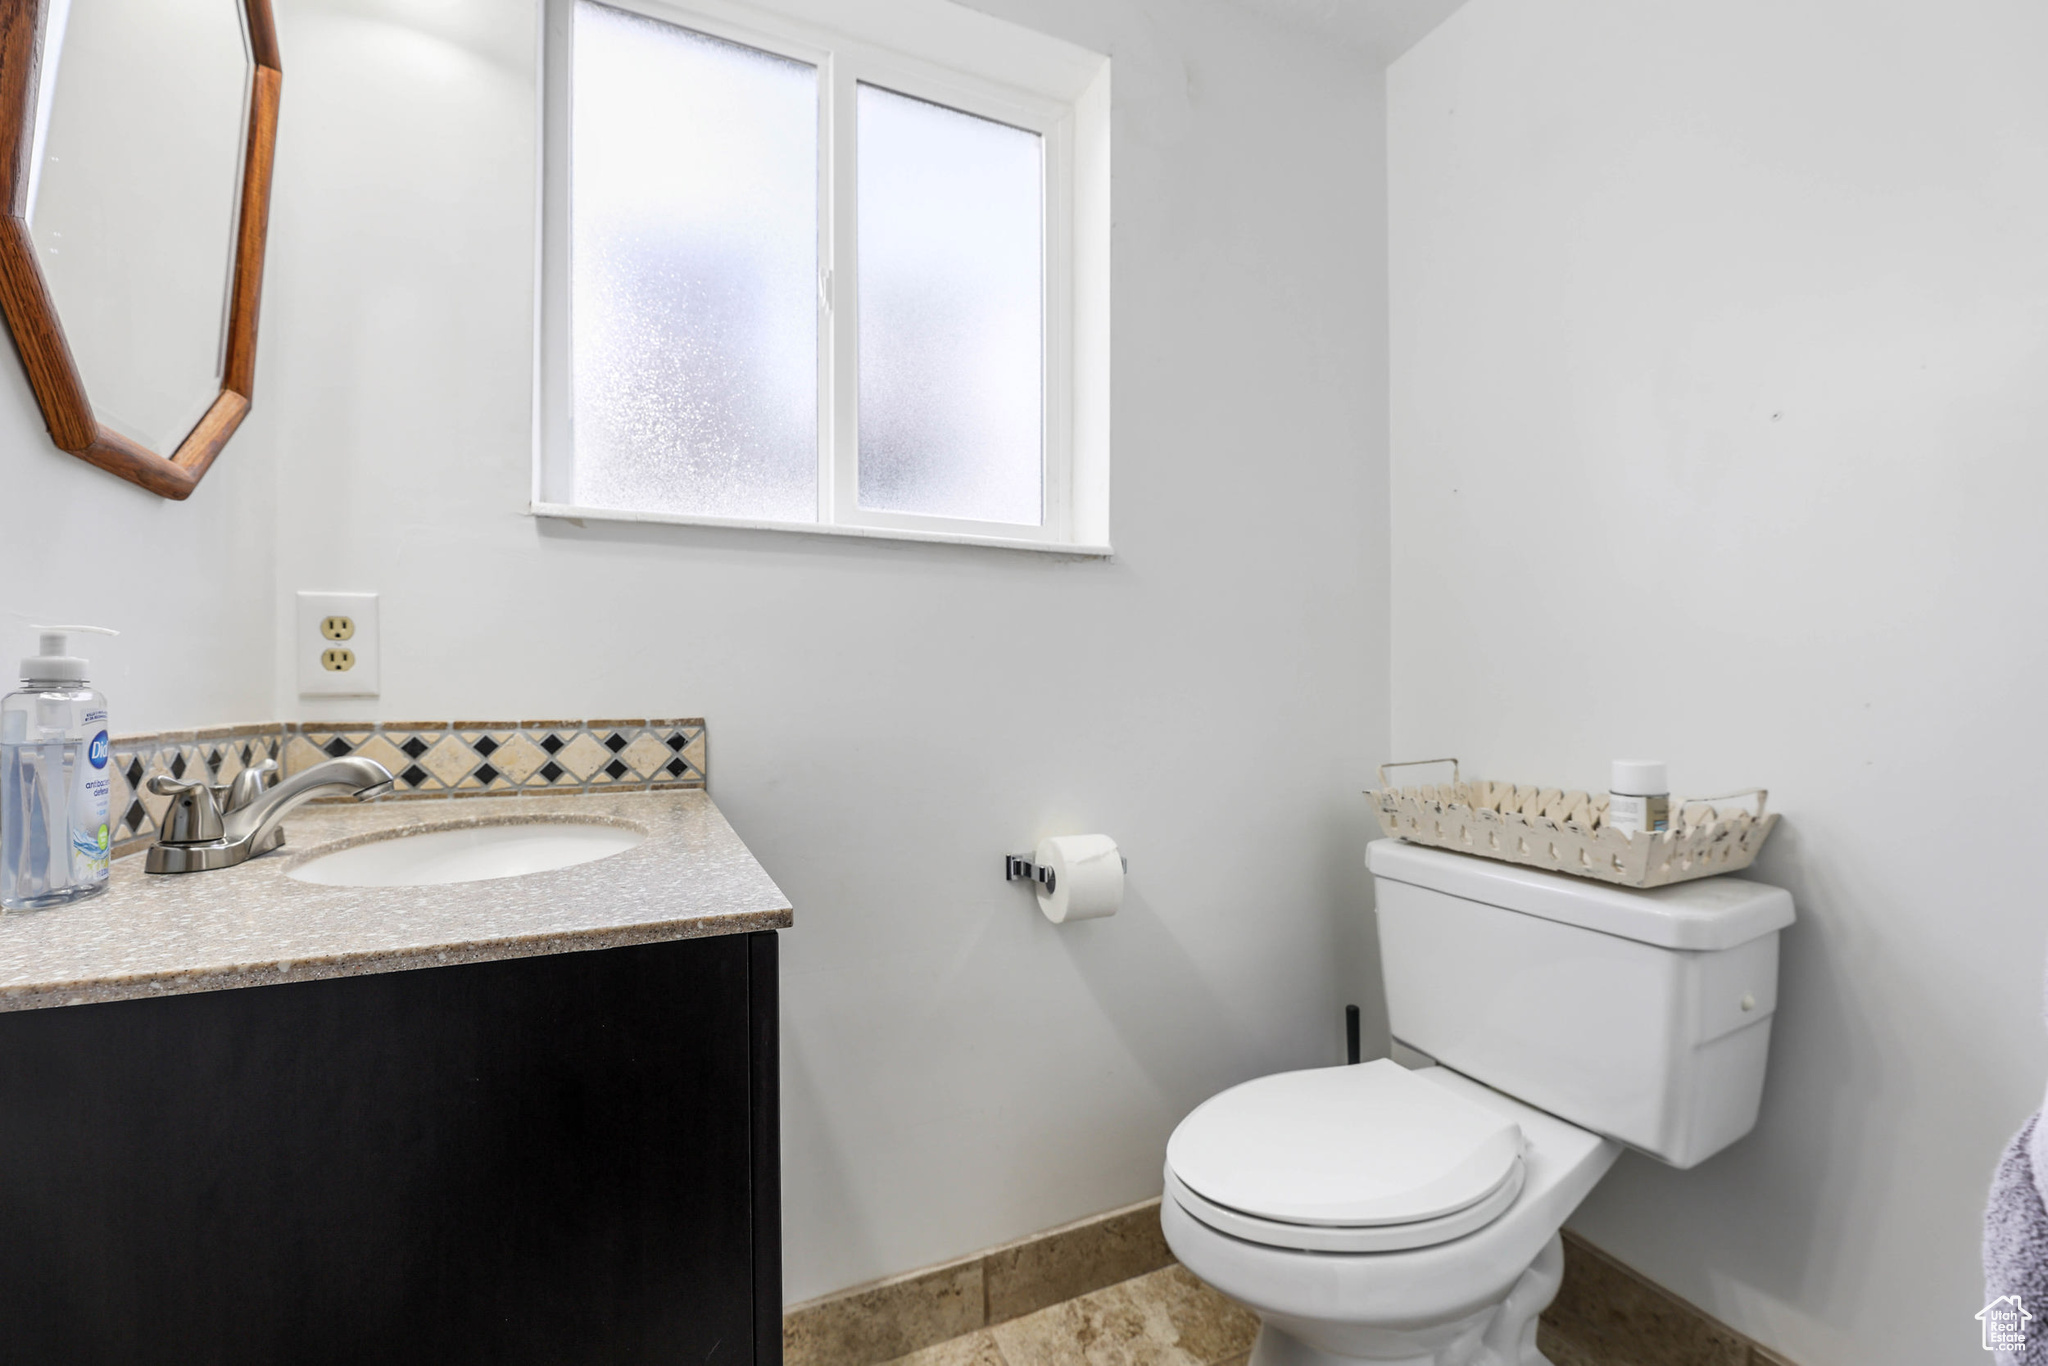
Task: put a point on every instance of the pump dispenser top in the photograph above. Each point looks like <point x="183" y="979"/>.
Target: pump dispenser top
<point x="53" y="662"/>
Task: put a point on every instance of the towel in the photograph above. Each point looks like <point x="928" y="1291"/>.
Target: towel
<point x="2016" y="1237"/>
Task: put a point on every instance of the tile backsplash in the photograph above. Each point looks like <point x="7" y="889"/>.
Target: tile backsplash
<point x="427" y="758"/>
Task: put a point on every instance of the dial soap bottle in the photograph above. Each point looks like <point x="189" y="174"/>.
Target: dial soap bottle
<point x="55" y="779"/>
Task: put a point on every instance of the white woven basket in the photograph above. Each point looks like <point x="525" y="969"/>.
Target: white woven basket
<point x="1567" y="832"/>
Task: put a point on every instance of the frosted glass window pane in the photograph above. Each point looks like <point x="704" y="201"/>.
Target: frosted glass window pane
<point x="693" y="272"/>
<point x="951" y="263"/>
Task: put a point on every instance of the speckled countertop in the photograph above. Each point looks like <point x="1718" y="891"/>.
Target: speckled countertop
<point x="154" y="935"/>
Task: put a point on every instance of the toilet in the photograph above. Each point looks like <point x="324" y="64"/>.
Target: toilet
<point x="1410" y="1211"/>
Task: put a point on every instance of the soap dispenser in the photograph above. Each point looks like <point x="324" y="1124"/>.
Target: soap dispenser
<point x="54" y="779"/>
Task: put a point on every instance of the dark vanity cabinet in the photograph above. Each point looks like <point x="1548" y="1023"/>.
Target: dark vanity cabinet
<point x="560" y="1159"/>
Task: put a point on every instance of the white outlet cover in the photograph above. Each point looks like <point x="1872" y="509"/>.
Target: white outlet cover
<point x="308" y="644"/>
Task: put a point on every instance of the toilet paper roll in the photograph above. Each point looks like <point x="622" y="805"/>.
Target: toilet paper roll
<point x="1088" y="877"/>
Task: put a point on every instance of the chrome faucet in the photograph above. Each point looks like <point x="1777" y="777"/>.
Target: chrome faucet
<point x="209" y="826"/>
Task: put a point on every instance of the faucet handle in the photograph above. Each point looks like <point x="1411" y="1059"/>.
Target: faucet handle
<point x="247" y="786"/>
<point x="193" y="817"/>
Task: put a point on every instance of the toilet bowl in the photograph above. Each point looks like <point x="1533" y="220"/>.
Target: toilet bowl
<point x="1445" y="1296"/>
<point x="1377" y="1213"/>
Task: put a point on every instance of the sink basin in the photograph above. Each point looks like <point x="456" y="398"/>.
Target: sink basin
<point x="471" y="853"/>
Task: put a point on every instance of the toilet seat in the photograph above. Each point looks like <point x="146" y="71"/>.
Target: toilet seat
<point x="1364" y="1238"/>
<point x="1345" y="1159"/>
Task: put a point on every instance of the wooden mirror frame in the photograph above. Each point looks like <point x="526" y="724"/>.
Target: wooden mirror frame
<point x="25" y="295"/>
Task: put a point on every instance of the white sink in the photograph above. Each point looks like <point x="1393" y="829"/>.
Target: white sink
<point x="467" y="854"/>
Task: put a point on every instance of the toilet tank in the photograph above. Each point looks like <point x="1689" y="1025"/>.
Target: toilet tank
<point x="1641" y="1015"/>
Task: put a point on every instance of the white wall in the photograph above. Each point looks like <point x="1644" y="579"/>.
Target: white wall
<point x="188" y="585"/>
<point x="1721" y="393"/>
<point x="886" y="720"/>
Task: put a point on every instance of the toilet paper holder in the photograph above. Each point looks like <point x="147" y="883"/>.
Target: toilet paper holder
<point x="1020" y="868"/>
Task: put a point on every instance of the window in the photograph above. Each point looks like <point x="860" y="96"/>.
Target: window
<point x="801" y="279"/>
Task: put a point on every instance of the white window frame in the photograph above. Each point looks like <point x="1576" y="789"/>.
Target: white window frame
<point x="931" y="50"/>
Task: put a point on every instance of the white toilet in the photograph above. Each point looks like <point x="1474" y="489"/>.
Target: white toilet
<point x="1378" y="1213"/>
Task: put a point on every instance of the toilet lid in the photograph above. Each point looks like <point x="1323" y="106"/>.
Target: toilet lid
<point x="1355" y="1238"/>
<point x="1344" y="1147"/>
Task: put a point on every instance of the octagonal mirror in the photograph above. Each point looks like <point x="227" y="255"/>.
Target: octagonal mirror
<point x="139" y="136"/>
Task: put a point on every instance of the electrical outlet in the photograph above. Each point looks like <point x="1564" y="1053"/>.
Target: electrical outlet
<point x="335" y="638"/>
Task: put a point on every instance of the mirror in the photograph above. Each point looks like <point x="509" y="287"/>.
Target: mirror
<point x="131" y="257"/>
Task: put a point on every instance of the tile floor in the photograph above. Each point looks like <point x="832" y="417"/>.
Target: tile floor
<point x="1165" y="1318"/>
<point x="1569" y="1351"/>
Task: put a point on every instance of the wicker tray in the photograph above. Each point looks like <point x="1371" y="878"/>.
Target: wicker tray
<point x="1567" y="832"/>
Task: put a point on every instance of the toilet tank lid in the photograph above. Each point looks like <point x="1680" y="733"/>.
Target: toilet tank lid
<point x="1706" y="914"/>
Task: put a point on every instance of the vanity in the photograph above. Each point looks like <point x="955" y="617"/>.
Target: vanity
<point x="254" y="1118"/>
<point x="489" y="1076"/>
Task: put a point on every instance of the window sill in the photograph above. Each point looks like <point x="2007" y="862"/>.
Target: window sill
<point x="572" y="513"/>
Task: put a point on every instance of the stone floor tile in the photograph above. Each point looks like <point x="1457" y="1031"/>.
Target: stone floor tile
<point x="1564" y="1351"/>
<point x="975" y="1349"/>
<point x="1617" y="1317"/>
<point x="1044" y="1270"/>
<point x="1167" y="1318"/>
<point x="885" y="1320"/>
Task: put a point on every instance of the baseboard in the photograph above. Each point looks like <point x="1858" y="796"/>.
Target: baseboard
<point x="890" y="1318"/>
<point x="1609" y="1314"/>
<point x="1606" y="1313"/>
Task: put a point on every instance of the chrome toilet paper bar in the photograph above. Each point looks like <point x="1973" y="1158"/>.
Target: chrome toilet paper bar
<point x="1020" y="868"/>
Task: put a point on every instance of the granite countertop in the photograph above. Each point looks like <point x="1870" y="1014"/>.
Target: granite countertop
<point x="251" y="925"/>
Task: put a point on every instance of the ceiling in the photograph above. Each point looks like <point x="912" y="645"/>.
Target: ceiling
<point x="1380" y="28"/>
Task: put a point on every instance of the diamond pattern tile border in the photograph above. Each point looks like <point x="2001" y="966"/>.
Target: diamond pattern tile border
<point x="428" y="759"/>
